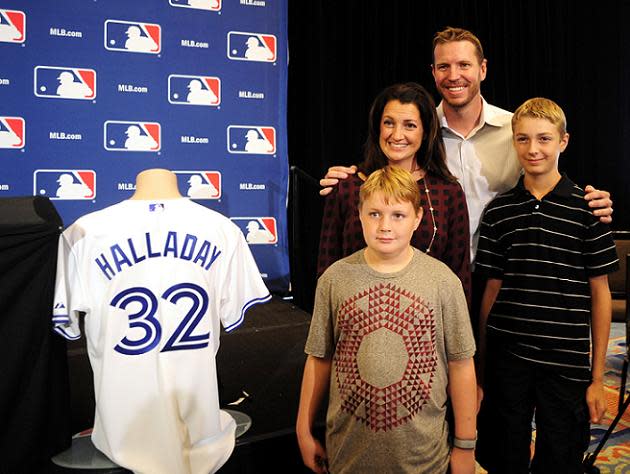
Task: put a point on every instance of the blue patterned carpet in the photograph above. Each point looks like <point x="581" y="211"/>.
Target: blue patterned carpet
<point x="614" y="458"/>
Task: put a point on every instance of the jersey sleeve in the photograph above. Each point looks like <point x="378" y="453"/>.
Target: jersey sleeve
<point x="243" y="286"/>
<point x="69" y="294"/>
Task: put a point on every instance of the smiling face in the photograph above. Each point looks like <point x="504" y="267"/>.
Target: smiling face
<point x="538" y="144"/>
<point x="388" y="226"/>
<point x="401" y="133"/>
<point x="458" y="73"/>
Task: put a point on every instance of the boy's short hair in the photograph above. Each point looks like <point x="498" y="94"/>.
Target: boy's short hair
<point x="541" y="108"/>
<point x="450" y="35"/>
<point x="395" y="183"/>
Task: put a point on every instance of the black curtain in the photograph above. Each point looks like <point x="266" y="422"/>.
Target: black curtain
<point x="342" y="53"/>
<point x="35" y="390"/>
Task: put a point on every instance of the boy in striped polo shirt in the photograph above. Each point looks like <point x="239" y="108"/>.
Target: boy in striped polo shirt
<point x="546" y="258"/>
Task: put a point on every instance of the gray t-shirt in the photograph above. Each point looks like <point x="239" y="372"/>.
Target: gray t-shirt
<point x="390" y="336"/>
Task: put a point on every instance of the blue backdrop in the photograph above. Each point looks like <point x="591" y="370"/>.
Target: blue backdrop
<point x="94" y="91"/>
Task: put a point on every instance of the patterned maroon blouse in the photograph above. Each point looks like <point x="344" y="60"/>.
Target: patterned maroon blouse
<point x="341" y="233"/>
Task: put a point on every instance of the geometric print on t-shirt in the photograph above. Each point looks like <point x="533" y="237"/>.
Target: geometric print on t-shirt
<point x="385" y="357"/>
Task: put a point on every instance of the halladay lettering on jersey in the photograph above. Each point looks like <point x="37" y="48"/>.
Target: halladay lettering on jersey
<point x="134" y="250"/>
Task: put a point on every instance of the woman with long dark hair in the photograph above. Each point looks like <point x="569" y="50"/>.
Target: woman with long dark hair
<point x="404" y="131"/>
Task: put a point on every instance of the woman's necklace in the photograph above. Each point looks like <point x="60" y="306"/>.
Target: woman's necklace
<point x="428" y="195"/>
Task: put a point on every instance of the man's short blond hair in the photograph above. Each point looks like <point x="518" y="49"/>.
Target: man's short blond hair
<point x="396" y="184"/>
<point x="450" y="35"/>
<point x="541" y="108"/>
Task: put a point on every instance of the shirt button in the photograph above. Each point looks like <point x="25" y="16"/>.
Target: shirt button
<point x="536" y="206"/>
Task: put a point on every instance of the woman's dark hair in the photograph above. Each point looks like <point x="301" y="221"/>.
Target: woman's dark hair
<point x="431" y="156"/>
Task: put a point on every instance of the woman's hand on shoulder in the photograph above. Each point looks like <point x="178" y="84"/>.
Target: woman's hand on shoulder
<point x="334" y="174"/>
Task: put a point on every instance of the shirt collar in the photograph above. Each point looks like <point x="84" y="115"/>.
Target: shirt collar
<point x="564" y="188"/>
<point x="489" y="115"/>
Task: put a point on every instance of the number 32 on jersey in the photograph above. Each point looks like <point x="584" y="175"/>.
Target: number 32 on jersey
<point x="182" y="338"/>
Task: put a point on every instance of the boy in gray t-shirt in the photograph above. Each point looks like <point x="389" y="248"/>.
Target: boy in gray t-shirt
<point x="390" y="332"/>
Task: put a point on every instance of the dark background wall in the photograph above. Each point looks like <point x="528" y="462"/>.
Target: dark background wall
<point x="342" y="53"/>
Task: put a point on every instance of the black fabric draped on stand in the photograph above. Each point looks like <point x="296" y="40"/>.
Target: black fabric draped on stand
<point x="34" y="387"/>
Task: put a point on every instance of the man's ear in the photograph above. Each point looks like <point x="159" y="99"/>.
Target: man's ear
<point x="484" y="68"/>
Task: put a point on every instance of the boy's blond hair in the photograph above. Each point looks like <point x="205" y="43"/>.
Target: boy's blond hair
<point x="450" y="35"/>
<point x="394" y="183"/>
<point x="542" y="108"/>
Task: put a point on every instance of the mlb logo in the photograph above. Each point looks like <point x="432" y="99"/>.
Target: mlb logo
<point x="251" y="139"/>
<point x="244" y="46"/>
<point x="65" y="184"/>
<point x="12" y="26"/>
<point x="12" y="132"/>
<point x="200" y="184"/>
<point x="65" y="83"/>
<point x="132" y="136"/>
<point x="258" y="230"/>
<point x="194" y="90"/>
<point x="133" y="37"/>
<point x="211" y="5"/>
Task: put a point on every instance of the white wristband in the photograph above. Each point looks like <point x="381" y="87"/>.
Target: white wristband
<point x="464" y="443"/>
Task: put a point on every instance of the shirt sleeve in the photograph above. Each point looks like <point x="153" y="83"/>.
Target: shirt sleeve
<point x="458" y="336"/>
<point x="600" y="252"/>
<point x="490" y="259"/>
<point x="457" y="252"/>
<point x="320" y="341"/>
<point x="243" y="286"/>
<point x="69" y="295"/>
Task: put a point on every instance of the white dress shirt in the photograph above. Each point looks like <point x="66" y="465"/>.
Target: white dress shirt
<point x="484" y="162"/>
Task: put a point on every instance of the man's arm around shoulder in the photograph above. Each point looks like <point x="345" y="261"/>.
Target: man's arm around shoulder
<point x="600" y="203"/>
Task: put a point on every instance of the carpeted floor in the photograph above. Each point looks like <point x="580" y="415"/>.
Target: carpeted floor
<point x="614" y="458"/>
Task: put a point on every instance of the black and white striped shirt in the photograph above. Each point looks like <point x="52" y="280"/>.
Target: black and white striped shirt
<point x="545" y="252"/>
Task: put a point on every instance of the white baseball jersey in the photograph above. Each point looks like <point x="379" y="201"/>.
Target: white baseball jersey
<point x="156" y="280"/>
